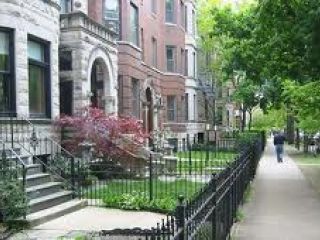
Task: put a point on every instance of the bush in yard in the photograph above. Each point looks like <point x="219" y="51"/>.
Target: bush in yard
<point x="105" y="131"/>
<point x="139" y="201"/>
<point x="13" y="200"/>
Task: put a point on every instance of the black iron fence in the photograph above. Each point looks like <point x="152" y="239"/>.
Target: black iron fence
<point x="210" y="214"/>
<point x="211" y="178"/>
<point x="154" y="183"/>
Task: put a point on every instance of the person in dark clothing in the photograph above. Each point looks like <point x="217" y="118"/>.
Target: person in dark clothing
<point x="278" y="141"/>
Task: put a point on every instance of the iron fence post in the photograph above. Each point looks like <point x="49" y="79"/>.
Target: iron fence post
<point x="180" y="217"/>
<point x="11" y="130"/>
<point x="150" y="178"/>
<point x="190" y="158"/>
<point x="214" y="214"/>
<point x="73" y="177"/>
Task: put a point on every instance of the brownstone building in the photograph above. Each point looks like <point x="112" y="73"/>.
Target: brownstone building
<point x="152" y="61"/>
<point x="151" y="51"/>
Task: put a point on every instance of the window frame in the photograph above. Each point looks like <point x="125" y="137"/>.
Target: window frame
<point x="154" y="6"/>
<point x="173" y="110"/>
<point x="154" y="44"/>
<point x="193" y="22"/>
<point x="171" y="12"/>
<point x="186" y="62"/>
<point x="107" y="20"/>
<point x="194" y="55"/>
<point x="174" y="59"/>
<point x="182" y="14"/>
<point x="186" y="106"/>
<point x="136" y="108"/>
<point x="46" y="66"/>
<point x="10" y="76"/>
<point x="136" y="41"/>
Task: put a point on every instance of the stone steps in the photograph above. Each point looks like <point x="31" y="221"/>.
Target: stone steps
<point x="43" y="190"/>
<point x="60" y="210"/>
<point x="50" y="200"/>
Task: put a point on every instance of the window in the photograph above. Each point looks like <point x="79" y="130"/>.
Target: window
<point x="65" y="60"/>
<point x="142" y="45"/>
<point x="194" y="106"/>
<point x="171" y="108"/>
<point x="182" y="23"/>
<point x="193" y="22"/>
<point x="154" y="53"/>
<point x="112" y="14"/>
<point x="65" y="6"/>
<point x="181" y="61"/>
<point x="186" y="62"/>
<point x="170" y="53"/>
<point x="7" y="94"/>
<point x="228" y="118"/>
<point x="120" y="94"/>
<point x="154" y="6"/>
<point x="186" y="18"/>
<point x="219" y="116"/>
<point x="170" y="11"/>
<point x="187" y="106"/>
<point x="194" y="64"/>
<point x="38" y="55"/>
<point x="136" y="98"/>
<point x="134" y="25"/>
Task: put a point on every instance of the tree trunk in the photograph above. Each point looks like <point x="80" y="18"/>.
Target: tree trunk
<point x="298" y="138"/>
<point x="250" y="119"/>
<point x="244" y="116"/>
<point x="290" y="128"/>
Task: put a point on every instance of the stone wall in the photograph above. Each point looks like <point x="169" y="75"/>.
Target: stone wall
<point x="40" y="19"/>
<point x="87" y="45"/>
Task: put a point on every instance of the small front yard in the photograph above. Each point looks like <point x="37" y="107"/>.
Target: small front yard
<point x="135" y="194"/>
<point x="160" y="194"/>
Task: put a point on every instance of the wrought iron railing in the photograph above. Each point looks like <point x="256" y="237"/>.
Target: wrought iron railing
<point x="210" y="214"/>
<point x="12" y="167"/>
<point x="23" y="134"/>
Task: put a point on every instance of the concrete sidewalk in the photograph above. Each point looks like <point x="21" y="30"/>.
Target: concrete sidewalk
<point x="91" y="219"/>
<point x="283" y="206"/>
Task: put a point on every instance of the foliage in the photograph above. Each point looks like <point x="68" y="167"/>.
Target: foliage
<point x="270" y="41"/>
<point x="305" y="101"/>
<point x="13" y="200"/>
<point x="273" y="119"/>
<point x="134" y="195"/>
<point x="136" y="201"/>
<point x="106" y="132"/>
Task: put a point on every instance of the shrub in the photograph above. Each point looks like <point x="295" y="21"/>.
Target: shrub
<point x="13" y="200"/>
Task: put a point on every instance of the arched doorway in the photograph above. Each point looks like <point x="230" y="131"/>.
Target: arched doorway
<point x="99" y="78"/>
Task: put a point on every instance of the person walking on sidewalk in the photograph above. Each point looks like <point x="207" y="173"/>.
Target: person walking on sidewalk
<point x="278" y="141"/>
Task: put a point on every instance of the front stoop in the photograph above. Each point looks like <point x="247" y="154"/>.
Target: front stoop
<point x="57" y="211"/>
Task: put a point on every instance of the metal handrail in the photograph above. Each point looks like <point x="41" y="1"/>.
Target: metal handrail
<point x="52" y="171"/>
<point x="13" y="152"/>
<point x="49" y="138"/>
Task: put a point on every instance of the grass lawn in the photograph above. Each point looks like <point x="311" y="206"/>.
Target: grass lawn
<point x="135" y="194"/>
<point x="303" y="158"/>
<point x="203" y="162"/>
<point x="204" y="154"/>
<point x="309" y="166"/>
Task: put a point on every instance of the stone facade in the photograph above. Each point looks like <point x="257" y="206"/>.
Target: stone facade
<point x="32" y="18"/>
<point x="89" y="43"/>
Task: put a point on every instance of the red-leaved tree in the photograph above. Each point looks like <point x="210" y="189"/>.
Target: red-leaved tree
<point x="111" y="135"/>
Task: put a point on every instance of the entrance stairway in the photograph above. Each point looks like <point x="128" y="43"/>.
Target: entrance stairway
<point x="47" y="198"/>
<point x="50" y="193"/>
